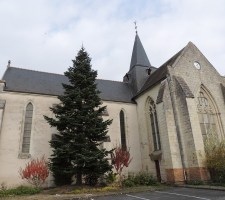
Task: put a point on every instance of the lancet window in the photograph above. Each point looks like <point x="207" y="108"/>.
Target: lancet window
<point x="123" y="130"/>
<point x="27" y="129"/>
<point x="154" y="125"/>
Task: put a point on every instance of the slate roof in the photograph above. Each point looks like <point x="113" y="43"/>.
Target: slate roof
<point x="139" y="56"/>
<point x="159" y="74"/>
<point x="29" y="81"/>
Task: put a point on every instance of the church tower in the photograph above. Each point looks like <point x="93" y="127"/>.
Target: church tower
<point x="140" y="67"/>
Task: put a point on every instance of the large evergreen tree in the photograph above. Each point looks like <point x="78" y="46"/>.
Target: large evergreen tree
<point x="81" y="128"/>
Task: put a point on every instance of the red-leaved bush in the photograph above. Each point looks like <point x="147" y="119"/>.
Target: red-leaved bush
<point x="35" y="172"/>
<point x="120" y="159"/>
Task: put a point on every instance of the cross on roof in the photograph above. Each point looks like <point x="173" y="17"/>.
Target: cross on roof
<point x="135" y="26"/>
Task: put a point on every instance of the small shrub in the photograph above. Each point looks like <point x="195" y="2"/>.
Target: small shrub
<point x="142" y="178"/>
<point x="145" y="178"/>
<point x="215" y="157"/>
<point x="107" y="179"/>
<point x="35" y="172"/>
<point x="217" y="184"/>
<point x="110" y="177"/>
<point x="120" y="159"/>
<point x="128" y="183"/>
<point x="21" y="190"/>
<point x="130" y="180"/>
<point x="195" y="182"/>
<point x="91" y="180"/>
<point x="3" y="186"/>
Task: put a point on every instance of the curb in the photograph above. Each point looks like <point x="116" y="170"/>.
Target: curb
<point x="85" y="196"/>
<point x="208" y="187"/>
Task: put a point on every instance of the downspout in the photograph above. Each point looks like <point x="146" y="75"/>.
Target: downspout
<point x="178" y="131"/>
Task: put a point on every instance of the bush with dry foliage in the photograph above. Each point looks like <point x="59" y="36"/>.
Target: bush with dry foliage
<point x="35" y="172"/>
<point x="120" y="159"/>
<point x="215" y="157"/>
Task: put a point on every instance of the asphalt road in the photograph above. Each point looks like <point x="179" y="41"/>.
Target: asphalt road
<point x="169" y="194"/>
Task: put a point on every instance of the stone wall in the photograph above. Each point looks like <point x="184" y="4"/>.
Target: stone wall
<point x="188" y="121"/>
<point x="12" y="132"/>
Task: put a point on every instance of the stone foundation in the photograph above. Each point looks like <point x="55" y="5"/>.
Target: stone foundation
<point x="175" y="175"/>
<point x="192" y="174"/>
<point x="197" y="173"/>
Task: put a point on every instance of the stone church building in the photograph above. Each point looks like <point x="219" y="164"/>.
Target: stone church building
<point x="162" y="114"/>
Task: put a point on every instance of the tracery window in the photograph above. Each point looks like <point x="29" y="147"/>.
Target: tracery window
<point x="154" y="125"/>
<point x="207" y="115"/>
<point x="123" y="130"/>
<point x="27" y="129"/>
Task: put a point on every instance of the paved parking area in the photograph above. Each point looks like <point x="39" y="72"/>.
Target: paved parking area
<point x="178" y="193"/>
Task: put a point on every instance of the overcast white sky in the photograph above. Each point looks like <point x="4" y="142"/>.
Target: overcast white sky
<point x="45" y="35"/>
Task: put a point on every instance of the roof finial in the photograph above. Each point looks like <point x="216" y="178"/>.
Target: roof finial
<point x="135" y="26"/>
<point x="9" y="62"/>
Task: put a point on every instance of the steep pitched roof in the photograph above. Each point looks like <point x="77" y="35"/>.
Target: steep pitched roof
<point x="29" y="81"/>
<point x="159" y="74"/>
<point x="139" y="57"/>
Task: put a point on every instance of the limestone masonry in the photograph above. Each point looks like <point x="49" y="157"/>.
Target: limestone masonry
<point x="162" y="114"/>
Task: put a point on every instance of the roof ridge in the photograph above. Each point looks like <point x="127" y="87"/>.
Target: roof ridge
<point x="58" y="74"/>
<point x="163" y="69"/>
<point x="180" y="54"/>
<point x="30" y="81"/>
<point x="176" y="55"/>
<point x="36" y="70"/>
<point x="196" y="48"/>
<point x="109" y="80"/>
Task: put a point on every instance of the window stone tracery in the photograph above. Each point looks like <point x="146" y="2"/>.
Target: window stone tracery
<point x="207" y="115"/>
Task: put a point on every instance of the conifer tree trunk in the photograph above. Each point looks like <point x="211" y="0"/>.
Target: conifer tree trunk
<point x="79" y="178"/>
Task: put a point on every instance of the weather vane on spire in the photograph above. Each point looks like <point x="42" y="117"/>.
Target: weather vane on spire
<point x="135" y="26"/>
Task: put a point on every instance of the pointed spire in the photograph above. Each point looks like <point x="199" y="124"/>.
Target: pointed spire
<point x="139" y="57"/>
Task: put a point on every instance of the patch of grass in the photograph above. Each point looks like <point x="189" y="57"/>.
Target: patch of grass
<point x="21" y="190"/>
<point x="94" y="190"/>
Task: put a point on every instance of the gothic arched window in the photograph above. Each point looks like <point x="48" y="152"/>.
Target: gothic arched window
<point x="154" y="125"/>
<point x="123" y="130"/>
<point x="207" y="114"/>
<point x="27" y="129"/>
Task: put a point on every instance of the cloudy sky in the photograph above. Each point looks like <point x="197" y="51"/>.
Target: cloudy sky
<point x="45" y="35"/>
